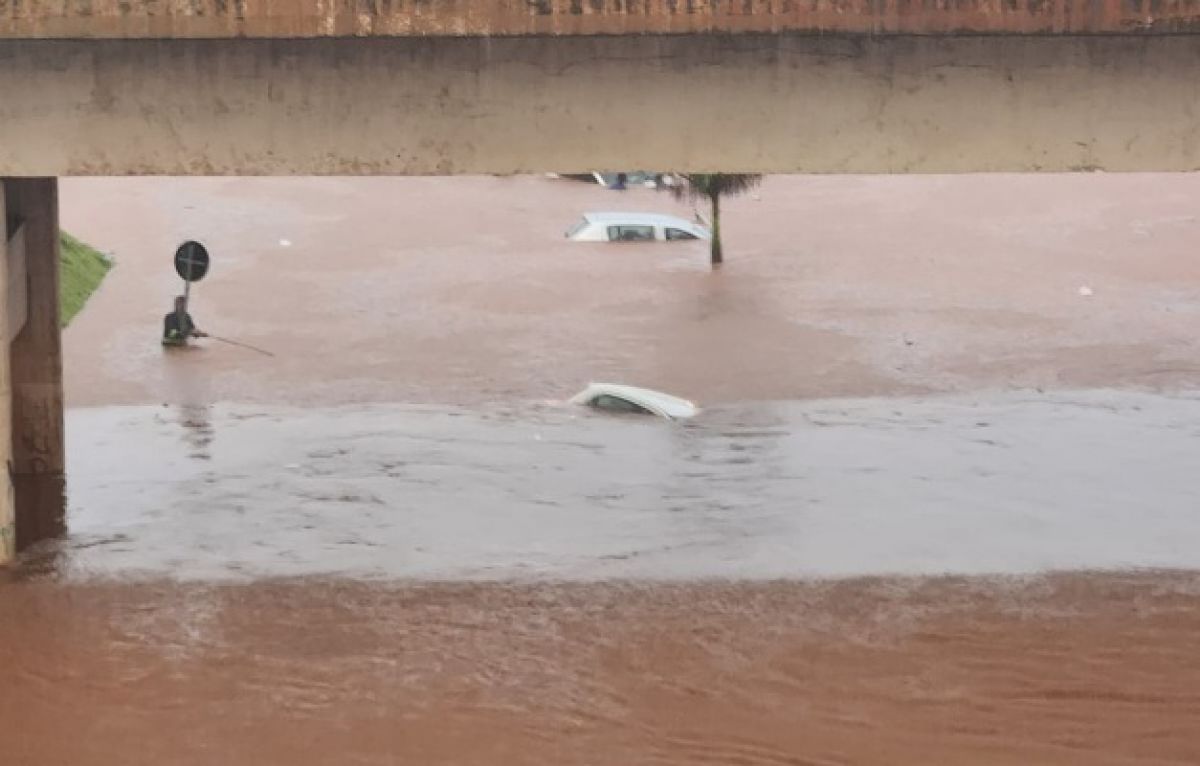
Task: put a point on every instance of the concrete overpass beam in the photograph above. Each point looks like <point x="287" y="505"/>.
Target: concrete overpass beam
<point x="35" y="367"/>
<point x="745" y="103"/>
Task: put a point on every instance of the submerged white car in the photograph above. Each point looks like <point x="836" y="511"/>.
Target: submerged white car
<point x="634" y="227"/>
<point x="632" y="178"/>
<point x="638" y="401"/>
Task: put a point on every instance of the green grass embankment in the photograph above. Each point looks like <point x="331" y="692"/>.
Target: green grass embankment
<point x="83" y="269"/>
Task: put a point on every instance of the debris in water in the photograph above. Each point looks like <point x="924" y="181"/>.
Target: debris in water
<point x="1085" y="291"/>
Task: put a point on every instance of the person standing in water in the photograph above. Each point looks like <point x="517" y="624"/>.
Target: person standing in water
<point x="178" y="325"/>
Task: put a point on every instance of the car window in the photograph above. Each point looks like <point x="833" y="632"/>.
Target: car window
<point x="673" y="234"/>
<point x="630" y="233"/>
<point x="616" y="404"/>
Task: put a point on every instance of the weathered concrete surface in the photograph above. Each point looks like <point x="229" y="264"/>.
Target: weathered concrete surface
<point x="752" y="103"/>
<point x="388" y="18"/>
<point x="8" y="530"/>
<point x="35" y="358"/>
<point x="17" y="308"/>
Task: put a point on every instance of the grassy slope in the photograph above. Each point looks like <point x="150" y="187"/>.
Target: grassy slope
<point x="83" y="268"/>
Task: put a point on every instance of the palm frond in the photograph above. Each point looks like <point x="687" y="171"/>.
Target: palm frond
<point x="709" y="185"/>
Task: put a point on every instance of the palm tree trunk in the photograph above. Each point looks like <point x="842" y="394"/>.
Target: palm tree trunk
<point x="717" y="256"/>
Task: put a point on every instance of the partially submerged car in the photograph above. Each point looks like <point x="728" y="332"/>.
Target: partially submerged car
<point x="633" y="400"/>
<point x="632" y="178"/>
<point x="635" y="227"/>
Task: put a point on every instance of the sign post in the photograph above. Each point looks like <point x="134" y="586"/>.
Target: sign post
<point x="191" y="264"/>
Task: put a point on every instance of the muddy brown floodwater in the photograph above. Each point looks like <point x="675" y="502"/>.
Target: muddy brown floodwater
<point x="939" y="506"/>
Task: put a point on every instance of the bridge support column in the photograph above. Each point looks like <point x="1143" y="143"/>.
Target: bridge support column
<point x="35" y="363"/>
<point x="8" y="526"/>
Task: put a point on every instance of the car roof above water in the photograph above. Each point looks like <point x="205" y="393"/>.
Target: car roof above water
<point x="662" y="404"/>
<point x="642" y="219"/>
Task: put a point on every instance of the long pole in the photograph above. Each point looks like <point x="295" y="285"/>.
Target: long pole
<point x="187" y="281"/>
<point x="243" y="345"/>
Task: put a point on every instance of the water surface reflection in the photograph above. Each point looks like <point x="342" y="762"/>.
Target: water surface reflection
<point x="1010" y="483"/>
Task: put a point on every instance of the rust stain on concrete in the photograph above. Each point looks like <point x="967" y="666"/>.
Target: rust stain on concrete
<point x="123" y="19"/>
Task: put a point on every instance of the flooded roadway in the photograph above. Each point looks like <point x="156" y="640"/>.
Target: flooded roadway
<point x="463" y="291"/>
<point x="1064" y="669"/>
<point x="1013" y="483"/>
<point x="940" y="506"/>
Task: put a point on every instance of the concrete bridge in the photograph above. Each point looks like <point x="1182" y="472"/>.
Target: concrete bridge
<point x="110" y="87"/>
<point x="99" y="87"/>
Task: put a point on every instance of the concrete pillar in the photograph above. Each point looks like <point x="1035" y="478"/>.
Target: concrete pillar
<point x="8" y="528"/>
<point x="35" y="367"/>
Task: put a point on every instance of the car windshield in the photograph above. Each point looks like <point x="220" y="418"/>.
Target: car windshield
<point x="617" y="404"/>
<point x="583" y="222"/>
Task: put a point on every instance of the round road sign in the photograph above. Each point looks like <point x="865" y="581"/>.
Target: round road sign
<point x="191" y="261"/>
